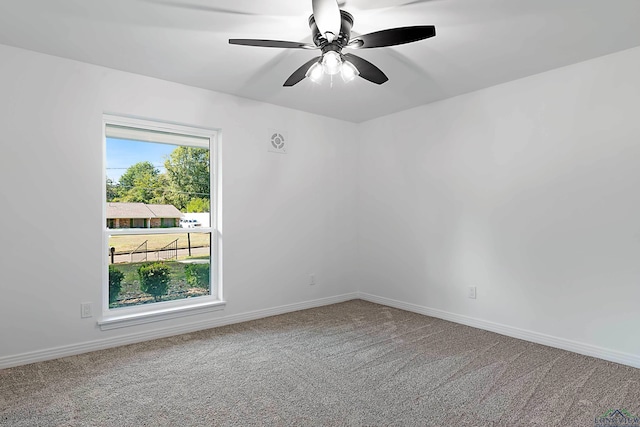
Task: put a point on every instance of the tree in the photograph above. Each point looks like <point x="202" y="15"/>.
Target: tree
<point x="188" y="175"/>
<point x="112" y="190"/>
<point x="135" y="172"/>
<point x="140" y="183"/>
<point x="198" y="204"/>
<point x="163" y="196"/>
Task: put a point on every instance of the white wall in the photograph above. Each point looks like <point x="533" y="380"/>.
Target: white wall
<point x="529" y="191"/>
<point x="285" y="216"/>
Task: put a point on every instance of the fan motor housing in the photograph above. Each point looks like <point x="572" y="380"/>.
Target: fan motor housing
<point x="341" y="39"/>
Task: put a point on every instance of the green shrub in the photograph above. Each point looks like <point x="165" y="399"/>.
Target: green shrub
<point x="154" y="279"/>
<point x="197" y="275"/>
<point x="115" y="283"/>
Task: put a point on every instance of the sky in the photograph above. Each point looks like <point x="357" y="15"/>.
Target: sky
<point x="122" y="153"/>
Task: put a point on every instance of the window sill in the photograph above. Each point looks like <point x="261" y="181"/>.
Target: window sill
<point x="122" y="321"/>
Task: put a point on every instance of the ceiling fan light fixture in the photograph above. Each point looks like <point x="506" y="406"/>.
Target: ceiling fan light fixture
<point x="331" y="62"/>
<point x="331" y="32"/>
<point x="348" y="71"/>
<point x="315" y="72"/>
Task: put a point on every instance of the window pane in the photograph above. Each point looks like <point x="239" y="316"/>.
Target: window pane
<point x="158" y="267"/>
<point x="153" y="185"/>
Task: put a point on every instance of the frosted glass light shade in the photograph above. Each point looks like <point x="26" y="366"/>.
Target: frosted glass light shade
<point x="349" y="71"/>
<point x="315" y="72"/>
<point x="331" y="62"/>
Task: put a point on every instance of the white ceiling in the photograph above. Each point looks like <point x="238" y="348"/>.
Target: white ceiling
<point x="479" y="43"/>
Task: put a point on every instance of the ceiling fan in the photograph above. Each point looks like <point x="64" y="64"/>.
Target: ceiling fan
<point x="331" y="32"/>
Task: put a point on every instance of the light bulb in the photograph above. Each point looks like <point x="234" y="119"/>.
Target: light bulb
<point x="331" y="62"/>
<point x="349" y="71"/>
<point x="315" y="73"/>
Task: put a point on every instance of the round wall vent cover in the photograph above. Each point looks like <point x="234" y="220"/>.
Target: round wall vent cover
<point x="277" y="140"/>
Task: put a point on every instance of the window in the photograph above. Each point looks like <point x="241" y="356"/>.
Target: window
<point x="158" y="176"/>
<point x="168" y="222"/>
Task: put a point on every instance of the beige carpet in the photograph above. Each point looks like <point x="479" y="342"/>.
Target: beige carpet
<point x="350" y="364"/>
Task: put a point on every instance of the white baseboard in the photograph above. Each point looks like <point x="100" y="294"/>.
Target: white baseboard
<point x="101" y="344"/>
<point x="551" y="341"/>
<point x="523" y="334"/>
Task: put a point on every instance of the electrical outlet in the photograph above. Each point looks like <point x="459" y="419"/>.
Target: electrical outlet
<point x="312" y="279"/>
<point x="85" y="310"/>
<point x="472" y="292"/>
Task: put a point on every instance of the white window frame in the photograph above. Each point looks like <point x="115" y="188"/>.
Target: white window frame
<point x="147" y="313"/>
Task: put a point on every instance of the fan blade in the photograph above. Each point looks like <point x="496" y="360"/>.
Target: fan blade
<point x="202" y="8"/>
<point x="378" y="4"/>
<point x="272" y="43"/>
<point x="393" y="37"/>
<point x="367" y="70"/>
<point x="414" y="2"/>
<point x="327" y="16"/>
<point x="299" y="74"/>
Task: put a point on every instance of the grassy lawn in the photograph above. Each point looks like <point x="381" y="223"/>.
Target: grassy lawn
<point x="130" y="294"/>
<point x="126" y="244"/>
